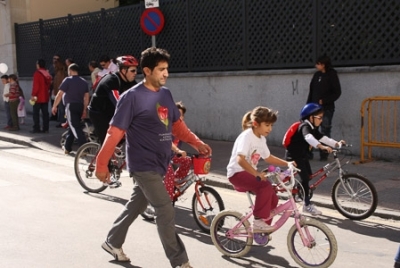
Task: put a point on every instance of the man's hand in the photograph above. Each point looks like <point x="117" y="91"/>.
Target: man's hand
<point x="54" y="110"/>
<point x="103" y="176"/>
<point x="205" y="149"/>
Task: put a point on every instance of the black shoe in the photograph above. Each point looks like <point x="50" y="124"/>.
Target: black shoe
<point x="34" y="131"/>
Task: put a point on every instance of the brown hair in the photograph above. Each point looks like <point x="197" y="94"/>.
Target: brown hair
<point x="259" y="114"/>
<point x="181" y="106"/>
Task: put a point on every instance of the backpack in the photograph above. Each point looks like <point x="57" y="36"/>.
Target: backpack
<point x="289" y="133"/>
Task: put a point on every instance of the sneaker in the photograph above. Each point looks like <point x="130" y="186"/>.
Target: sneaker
<point x="261" y="225"/>
<point x="65" y="151"/>
<point x="117" y="253"/>
<point x="312" y="210"/>
<point x="185" y="265"/>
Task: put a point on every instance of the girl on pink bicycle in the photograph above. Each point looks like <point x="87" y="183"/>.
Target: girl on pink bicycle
<point x="247" y="150"/>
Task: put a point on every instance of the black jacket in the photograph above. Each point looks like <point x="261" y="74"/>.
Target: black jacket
<point x="299" y="147"/>
<point x="325" y="86"/>
<point x="107" y="93"/>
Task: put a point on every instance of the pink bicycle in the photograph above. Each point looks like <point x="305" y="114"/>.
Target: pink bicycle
<point x="310" y="242"/>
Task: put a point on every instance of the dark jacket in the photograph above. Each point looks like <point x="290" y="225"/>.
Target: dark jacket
<point x="107" y="93"/>
<point x="299" y="147"/>
<point x="325" y="86"/>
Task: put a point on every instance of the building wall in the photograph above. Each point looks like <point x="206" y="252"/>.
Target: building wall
<point x="216" y="102"/>
<point x="23" y="11"/>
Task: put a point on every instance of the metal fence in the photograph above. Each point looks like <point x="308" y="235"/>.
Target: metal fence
<point x="222" y="35"/>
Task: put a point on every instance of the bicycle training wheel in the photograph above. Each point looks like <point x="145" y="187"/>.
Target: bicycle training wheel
<point x="322" y="250"/>
<point x="204" y="207"/>
<point x="231" y="242"/>
<point x="356" y="198"/>
<point x="84" y="165"/>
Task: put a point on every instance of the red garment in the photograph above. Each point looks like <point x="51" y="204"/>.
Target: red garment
<point x="266" y="198"/>
<point x="41" y="85"/>
<point x="180" y="173"/>
<point x="14" y="92"/>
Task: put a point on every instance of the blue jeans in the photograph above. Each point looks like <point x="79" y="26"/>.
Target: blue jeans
<point x="325" y="128"/>
<point x="397" y="258"/>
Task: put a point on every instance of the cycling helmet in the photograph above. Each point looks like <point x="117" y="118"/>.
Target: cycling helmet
<point x="309" y="109"/>
<point x="127" y="61"/>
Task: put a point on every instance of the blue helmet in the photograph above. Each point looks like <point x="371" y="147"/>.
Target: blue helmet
<point x="309" y="109"/>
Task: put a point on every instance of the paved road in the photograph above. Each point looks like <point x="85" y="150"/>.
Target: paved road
<point x="48" y="220"/>
<point x="384" y="174"/>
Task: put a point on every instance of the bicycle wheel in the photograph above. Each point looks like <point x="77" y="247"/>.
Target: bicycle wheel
<point x="206" y="206"/>
<point x="233" y="244"/>
<point x="323" y="249"/>
<point x="84" y="165"/>
<point x="356" y="198"/>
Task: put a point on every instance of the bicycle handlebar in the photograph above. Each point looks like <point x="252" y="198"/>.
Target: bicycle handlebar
<point x="275" y="176"/>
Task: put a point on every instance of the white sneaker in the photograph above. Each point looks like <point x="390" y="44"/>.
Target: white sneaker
<point x="117" y="253"/>
<point x="312" y="210"/>
<point x="185" y="265"/>
<point x="261" y="225"/>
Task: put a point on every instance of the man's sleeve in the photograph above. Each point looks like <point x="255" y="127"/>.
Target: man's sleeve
<point x="181" y="131"/>
<point x="35" y="84"/>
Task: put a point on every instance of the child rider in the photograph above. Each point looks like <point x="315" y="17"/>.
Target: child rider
<point x="307" y="136"/>
<point x="247" y="150"/>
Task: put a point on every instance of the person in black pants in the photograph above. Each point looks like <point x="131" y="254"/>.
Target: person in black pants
<point x="75" y="92"/>
<point x="325" y="90"/>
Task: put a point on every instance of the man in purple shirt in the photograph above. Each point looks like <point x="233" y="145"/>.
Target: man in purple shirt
<point x="147" y="115"/>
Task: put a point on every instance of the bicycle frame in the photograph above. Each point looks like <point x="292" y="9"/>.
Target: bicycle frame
<point x="326" y="170"/>
<point x="287" y="209"/>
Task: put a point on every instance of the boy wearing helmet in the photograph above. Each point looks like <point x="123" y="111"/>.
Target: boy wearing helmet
<point x="107" y="92"/>
<point x="308" y="136"/>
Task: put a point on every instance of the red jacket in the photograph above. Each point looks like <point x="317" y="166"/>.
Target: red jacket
<point x="41" y="85"/>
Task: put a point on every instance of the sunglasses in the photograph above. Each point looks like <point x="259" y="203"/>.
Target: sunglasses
<point x="318" y="117"/>
<point x="133" y="70"/>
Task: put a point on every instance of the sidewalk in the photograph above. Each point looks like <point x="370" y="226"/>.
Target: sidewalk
<point x="385" y="175"/>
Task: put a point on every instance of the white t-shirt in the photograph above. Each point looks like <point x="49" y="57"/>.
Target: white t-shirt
<point x="112" y="68"/>
<point x="252" y="147"/>
<point x="6" y="90"/>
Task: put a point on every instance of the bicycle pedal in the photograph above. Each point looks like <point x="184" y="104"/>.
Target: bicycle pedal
<point x="115" y="184"/>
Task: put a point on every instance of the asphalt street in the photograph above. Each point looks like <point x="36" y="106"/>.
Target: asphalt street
<point x="384" y="174"/>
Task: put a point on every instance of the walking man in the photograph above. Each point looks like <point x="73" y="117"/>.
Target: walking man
<point x="74" y="90"/>
<point x="148" y="117"/>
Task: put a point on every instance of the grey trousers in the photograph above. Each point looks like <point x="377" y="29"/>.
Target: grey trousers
<point x="150" y="188"/>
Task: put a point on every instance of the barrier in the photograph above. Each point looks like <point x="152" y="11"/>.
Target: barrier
<point x="382" y="124"/>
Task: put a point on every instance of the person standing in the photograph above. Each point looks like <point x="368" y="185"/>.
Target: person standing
<point x="40" y="97"/>
<point x="107" y="66"/>
<point x="6" y="90"/>
<point x="13" y="100"/>
<point x="74" y="90"/>
<point x="94" y="70"/>
<point x="325" y="90"/>
<point x="60" y="72"/>
<point x="148" y="117"/>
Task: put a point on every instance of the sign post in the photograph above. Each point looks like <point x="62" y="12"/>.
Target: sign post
<point x="152" y="20"/>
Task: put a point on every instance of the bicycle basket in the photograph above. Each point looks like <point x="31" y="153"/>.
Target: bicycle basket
<point x="201" y="165"/>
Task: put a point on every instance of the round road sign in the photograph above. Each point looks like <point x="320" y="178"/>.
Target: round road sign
<point x="152" y="21"/>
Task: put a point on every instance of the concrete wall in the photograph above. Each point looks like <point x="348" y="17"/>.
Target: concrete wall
<point x="216" y="102"/>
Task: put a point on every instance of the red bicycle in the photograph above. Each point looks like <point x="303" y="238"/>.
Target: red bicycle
<point x="206" y="202"/>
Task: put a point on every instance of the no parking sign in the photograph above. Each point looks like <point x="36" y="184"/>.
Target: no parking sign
<point x="152" y="21"/>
